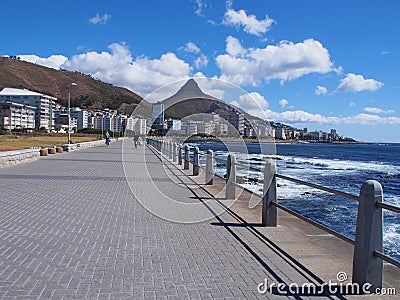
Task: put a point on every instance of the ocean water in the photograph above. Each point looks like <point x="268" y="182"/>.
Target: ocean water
<point x="343" y="167"/>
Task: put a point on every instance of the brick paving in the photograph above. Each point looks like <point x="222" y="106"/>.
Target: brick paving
<point x="71" y="228"/>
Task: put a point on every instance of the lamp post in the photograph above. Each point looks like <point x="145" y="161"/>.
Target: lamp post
<point x="69" y="111"/>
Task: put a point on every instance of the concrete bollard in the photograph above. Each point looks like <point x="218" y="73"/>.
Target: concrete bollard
<point x="175" y="152"/>
<point x="230" y="189"/>
<point x="269" y="211"/>
<point x="366" y="267"/>
<point x="210" y="167"/>
<point x="196" y="161"/>
<point x="186" y="157"/>
<point x="171" y="150"/>
<point x="51" y="150"/>
<point x="180" y="154"/>
<point x="44" y="152"/>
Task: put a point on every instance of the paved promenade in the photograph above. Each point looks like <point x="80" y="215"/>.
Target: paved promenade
<point x="71" y="228"/>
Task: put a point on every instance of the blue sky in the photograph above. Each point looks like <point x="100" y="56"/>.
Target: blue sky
<point x="316" y="64"/>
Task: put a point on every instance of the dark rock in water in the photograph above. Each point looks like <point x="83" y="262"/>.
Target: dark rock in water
<point x="255" y="180"/>
<point x="256" y="163"/>
<point x="255" y="159"/>
<point x="291" y="167"/>
<point x="393" y="176"/>
<point x="305" y="193"/>
<point x="241" y="179"/>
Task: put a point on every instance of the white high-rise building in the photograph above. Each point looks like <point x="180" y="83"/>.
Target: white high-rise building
<point x="81" y="117"/>
<point x="14" y="115"/>
<point x="158" y="114"/>
<point x="44" y="104"/>
<point x="137" y="125"/>
<point x="174" y="124"/>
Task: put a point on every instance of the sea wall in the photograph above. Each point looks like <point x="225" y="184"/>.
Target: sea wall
<point x="9" y="158"/>
<point x="84" y="145"/>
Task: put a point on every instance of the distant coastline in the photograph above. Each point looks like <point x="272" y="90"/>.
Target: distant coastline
<point x="289" y="141"/>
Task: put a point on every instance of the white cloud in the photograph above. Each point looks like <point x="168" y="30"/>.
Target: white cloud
<point x="191" y="47"/>
<point x="283" y="103"/>
<point x="200" y="7"/>
<point x="357" y="83"/>
<point x="252" y="101"/>
<point x="368" y="119"/>
<point x="97" y="19"/>
<point x="211" y="86"/>
<point x="233" y="47"/>
<point x="141" y="75"/>
<point x="201" y="61"/>
<point x="377" y="110"/>
<point x="285" y="61"/>
<point x="250" y="23"/>
<point x="321" y="90"/>
<point x="53" y="61"/>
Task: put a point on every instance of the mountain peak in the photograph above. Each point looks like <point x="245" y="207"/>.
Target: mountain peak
<point x="191" y="88"/>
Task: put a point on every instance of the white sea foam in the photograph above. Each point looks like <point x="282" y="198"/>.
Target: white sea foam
<point x="310" y="169"/>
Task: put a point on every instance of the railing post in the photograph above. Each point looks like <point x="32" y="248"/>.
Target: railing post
<point x="187" y="158"/>
<point x="366" y="267"/>
<point x="196" y="162"/>
<point x="174" y="152"/>
<point x="230" y="189"/>
<point x="269" y="211"/>
<point x="180" y="154"/>
<point x="210" y="167"/>
<point x="170" y="150"/>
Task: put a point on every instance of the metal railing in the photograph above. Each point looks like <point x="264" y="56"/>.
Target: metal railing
<point x="368" y="245"/>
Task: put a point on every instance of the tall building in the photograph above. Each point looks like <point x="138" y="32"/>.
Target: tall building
<point x="61" y="122"/>
<point x="81" y="117"/>
<point x="118" y="123"/>
<point x="173" y="124"/>
<point x="237" y="121"/>
<point x="14" y="115"/>
<point x="280" y="133"/>
<point x="158" y="115"/>
<point x="44" y="104"/>
<point x="137" y="125"/>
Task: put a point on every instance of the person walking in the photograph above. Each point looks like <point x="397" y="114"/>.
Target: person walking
<point x="136" y="140"/>
<point x="107" y="138"/>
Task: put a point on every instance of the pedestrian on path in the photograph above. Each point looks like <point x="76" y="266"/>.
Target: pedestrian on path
<point x="136" y="140"/>
<point x="107" y="138"/>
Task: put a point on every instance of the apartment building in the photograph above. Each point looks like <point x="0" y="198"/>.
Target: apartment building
<point x="15" y="116"/>
<point x="44" y="105"/>
<point x="137" y="125"/>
